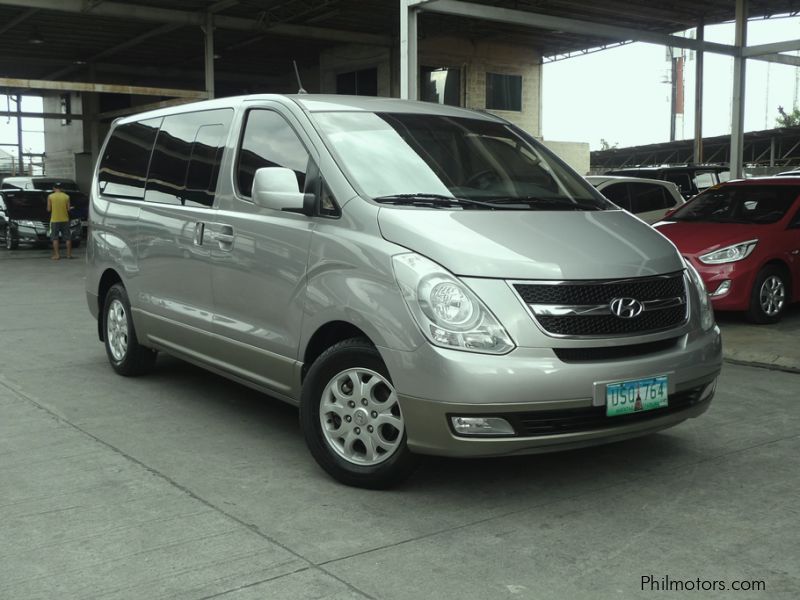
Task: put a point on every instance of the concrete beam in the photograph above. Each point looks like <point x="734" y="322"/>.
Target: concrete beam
<point x="773" y="48"/>
<point x="100" y="88"/>
<point x="540" y="21"/>
<point x="35" y="115"/>
<point x="122" y="112"/>
<point x="782" y="59"/>
<point x="125" y="11"/>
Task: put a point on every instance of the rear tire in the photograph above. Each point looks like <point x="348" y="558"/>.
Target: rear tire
<point x="351" y="418"/>
<point x="769" y="296"/>
<point x="126" y="355"/>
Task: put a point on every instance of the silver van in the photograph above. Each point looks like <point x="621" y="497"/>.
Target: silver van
<point x="418" y="279"/>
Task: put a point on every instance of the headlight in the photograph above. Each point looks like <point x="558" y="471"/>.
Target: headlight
<point x="446" y="310"/>
<point x="74" y="222"/>
<point x="26" y="223"/>
<point x="729" y="254"/>
<point x="706" y="311"/>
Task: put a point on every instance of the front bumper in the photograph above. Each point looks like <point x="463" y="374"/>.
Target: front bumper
<point x="741" y="274"/>
<point x="531" y="386"/>
<point x="41" y="235"/>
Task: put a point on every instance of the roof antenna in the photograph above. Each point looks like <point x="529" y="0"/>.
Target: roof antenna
<point x="299" y="83"/>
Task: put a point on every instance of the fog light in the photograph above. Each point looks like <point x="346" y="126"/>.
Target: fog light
<point x="723" y="288"/>
<point x="481" y="426"/>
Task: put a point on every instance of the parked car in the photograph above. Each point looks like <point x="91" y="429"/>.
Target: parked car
<point x="743" y="237"/>
<point x="418" y="278"/>
<point x="690" y="179"/>
<point x="648" y="199"/>
<point x="24" y="218"/>
<point x="44" y="186"/>
<point x="794" y="173"/>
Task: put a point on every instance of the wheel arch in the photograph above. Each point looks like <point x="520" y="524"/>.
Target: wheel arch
<point x="326" y="336"/>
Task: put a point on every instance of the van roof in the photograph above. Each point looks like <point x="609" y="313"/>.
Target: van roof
<point x="322" y="103"/>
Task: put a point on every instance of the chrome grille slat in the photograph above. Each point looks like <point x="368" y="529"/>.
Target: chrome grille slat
<point x="582" y="308"/>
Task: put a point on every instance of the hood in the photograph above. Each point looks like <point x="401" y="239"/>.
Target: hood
<point x="533" y="244"/>
<point x="30" y="206"/>
<point x="698" y="237"/>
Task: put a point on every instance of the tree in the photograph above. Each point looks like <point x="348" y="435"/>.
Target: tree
<point x="604" y="145"/>
<point x="791" y="119"/>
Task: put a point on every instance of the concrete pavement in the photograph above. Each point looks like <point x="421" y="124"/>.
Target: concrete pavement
<point x="182" y="484"/>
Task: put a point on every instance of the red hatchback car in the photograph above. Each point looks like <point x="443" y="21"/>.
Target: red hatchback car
<point x="743" y="237"/>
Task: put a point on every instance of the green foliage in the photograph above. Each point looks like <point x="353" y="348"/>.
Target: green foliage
<point x="604" y="145"/>
<point x="791" y="119"/>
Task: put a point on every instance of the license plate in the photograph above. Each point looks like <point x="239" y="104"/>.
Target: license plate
<point x="636" y="395"/>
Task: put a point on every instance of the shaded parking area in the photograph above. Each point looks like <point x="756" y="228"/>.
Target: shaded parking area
<point x="185" y="485"/>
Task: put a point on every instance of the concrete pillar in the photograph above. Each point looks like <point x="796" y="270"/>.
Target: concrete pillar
<point x="209" y="54"/>
<point x="698" y="97"/>
<point x="739" y="78"/>
<point x="409" y="69"/>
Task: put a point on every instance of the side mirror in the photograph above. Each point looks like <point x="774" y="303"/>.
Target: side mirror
<point x="276" y="188"/>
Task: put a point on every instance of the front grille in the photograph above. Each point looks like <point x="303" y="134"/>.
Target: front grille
<point x="583" y="308"/>
<point x="571" y="355"/>
<point x="553" y="422"/>
<point x="602" y="292"/>
<point x="647" y="322"/>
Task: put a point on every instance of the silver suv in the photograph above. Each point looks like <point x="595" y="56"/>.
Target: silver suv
<point x="418" y="279"/>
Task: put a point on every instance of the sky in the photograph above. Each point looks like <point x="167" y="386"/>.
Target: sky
<point x="32" y="129"/>
<point x="622" y="94"/>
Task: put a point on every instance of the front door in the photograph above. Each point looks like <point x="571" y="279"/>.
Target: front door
<point x="260" y="256"/>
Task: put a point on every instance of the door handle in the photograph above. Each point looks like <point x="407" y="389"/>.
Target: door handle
<point x="796" y="251"/>
<point x="198" y="233"/>
<point x="222" y="234"/>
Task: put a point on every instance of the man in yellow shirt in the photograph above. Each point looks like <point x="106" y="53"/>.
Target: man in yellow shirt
<point x="58" y="207"/>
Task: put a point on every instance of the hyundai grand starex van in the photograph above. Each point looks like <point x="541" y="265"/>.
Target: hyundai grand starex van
<point x="418" y="279"/>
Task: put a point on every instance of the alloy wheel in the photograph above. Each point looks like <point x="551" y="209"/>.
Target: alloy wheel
<point x="117" y="330"/>
<point x="360" y="417"/>
<point x="772" y="295"/>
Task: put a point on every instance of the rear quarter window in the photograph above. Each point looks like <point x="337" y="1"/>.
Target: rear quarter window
<point x="123" y="166"/>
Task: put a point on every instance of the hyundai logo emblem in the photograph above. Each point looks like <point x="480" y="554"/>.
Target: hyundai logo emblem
<point x="626" y="308"/>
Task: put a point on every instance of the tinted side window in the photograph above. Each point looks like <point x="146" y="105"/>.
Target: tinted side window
<point x="269" y="141"/>
<point x="618" y="194"/>
<point x="646" y="197"/>
<point x="123" y="167"/>
<point x="681" y="180"/>
<point x="186" y="158"/>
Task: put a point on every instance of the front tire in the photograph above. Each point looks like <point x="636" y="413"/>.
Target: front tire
<point x="770" y="295"/>
<point x="10" y="242"/>
<point x="351" y="418"/>
<point x="126" y="355"/>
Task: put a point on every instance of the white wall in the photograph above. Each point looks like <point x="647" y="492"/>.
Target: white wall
<point x="575" y="154"/>
<point x="62" y="142"/>
<point x="479" y="58"/>
<point x="475" y="59"/>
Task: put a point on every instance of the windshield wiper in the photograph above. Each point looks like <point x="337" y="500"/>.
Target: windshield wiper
<point x="544" y="202"/>
<point x="436" y="200"/>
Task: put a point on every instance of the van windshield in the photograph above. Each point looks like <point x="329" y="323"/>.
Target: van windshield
<point x="441" y="161"/>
